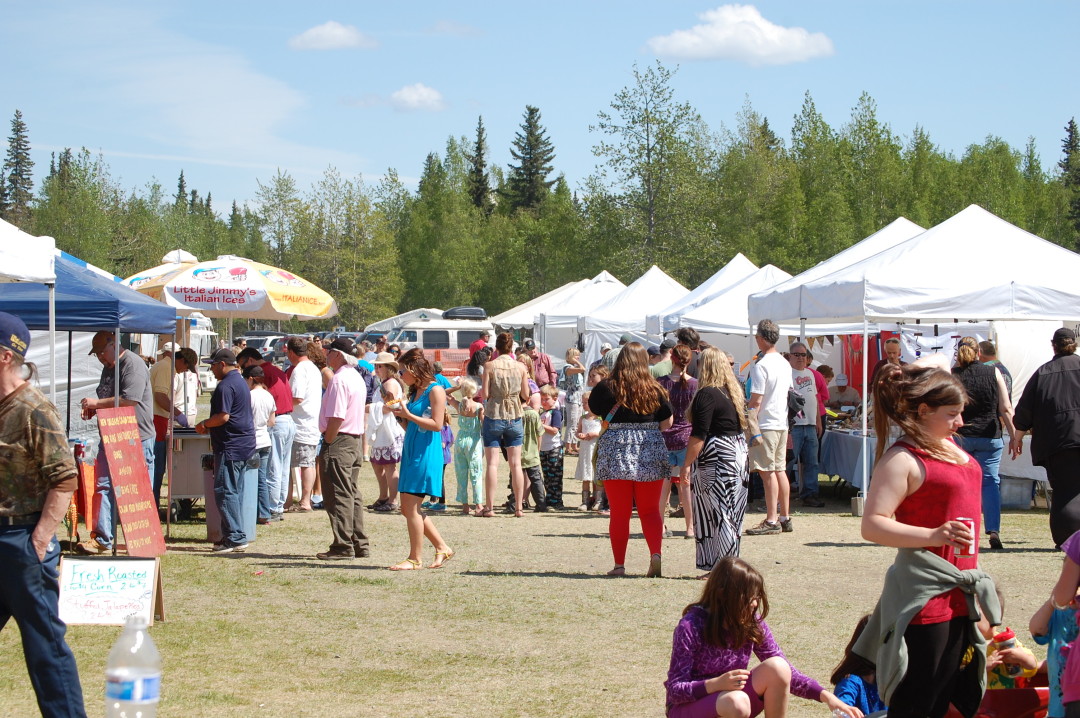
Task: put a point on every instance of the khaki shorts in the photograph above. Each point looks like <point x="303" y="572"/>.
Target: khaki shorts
<point x="771" y="453"/>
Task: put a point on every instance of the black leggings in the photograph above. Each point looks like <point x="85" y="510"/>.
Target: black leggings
<point x="933" y="670"/>
<point x="1063" y="471"/>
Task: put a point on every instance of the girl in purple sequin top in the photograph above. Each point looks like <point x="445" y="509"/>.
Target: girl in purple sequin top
<point x="710" y="654"/>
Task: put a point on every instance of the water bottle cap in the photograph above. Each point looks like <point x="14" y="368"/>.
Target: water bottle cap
<point x="135" y="621"/>
<point x="1006" y="635"/>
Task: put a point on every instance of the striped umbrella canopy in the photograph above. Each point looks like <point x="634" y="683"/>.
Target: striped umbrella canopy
<point x="235" y="287"/>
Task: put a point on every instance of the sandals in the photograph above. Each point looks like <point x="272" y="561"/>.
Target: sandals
<point x="654" y="567"/>
<point x="486" y="514"/>
<point x="446" y="556"/>
<point x="387" y="508"/>
<point x="406" y="565"/>
<point x="618" y="571"/>
<point x="297" y="509"/>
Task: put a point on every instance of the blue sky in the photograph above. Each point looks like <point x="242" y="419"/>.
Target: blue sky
<point x="231" y="91"/>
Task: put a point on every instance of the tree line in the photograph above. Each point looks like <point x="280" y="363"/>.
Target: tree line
<point x="667" y="190"/>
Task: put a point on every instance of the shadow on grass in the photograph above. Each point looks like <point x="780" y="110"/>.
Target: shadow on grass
<point x="835" y="544"/>
<point x="309" y="562"/>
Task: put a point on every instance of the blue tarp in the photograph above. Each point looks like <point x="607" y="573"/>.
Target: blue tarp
<point x="86" y="301"/>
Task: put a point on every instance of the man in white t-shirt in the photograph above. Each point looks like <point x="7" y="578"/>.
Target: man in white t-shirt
<point x="804" y="434"/>
<point x="305" y="382"/>
<point x="770" y="379"/>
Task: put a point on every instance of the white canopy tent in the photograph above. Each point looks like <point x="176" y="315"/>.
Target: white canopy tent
<point x="625" y="312"/>
<point x="974" y="266"/>
<point x="776" y="303"/>
<point x="524" y="315"/>
<point x="26" y="258"/>
<point x="556" y="329"/>
<point x="391" y="323"/>
<point x="667" y="320"/>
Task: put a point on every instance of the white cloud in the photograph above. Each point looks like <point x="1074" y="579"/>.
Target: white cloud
<point x="417" y="97"/>
<point x="740" y="33"/>
<point x="171" y="96"/>
<point x="332" y="35"/>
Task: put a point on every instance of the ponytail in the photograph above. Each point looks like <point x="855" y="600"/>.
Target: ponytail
<point x="899" y="391"/>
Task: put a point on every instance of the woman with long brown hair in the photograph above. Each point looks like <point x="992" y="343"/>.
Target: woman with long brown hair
<point x="632" y="460"/>
<point x="421" y="456"/>
<point x="922" y="486"/>
<point x="717" y="454"/>
<point x="988" y="407"/>
<point x="506" y="386"/>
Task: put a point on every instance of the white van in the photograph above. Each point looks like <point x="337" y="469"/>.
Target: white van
<point x="446" y="340"/>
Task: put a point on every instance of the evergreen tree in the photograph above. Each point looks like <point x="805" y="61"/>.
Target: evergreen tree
<point x="19" y="184"/>
<point x="528" y="185"/>
<point x="479" y="182"/>
<point x="181" y="191"/>
<point x="1069" y="165"/>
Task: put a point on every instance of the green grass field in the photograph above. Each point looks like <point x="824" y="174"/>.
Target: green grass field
<point x="522" y="622"/>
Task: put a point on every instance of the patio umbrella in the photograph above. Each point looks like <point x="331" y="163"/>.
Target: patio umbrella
<point x="235" y="287"/>
<point x="171" y="262"/>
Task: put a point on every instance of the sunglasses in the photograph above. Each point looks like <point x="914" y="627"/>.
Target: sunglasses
<point x="798" y="354"/>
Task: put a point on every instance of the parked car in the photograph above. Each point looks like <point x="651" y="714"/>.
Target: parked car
<point x="264" y="343"/>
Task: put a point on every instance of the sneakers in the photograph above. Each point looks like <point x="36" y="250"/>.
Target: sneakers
<point x="91" y="547"/>
<point x="439" y="507"/>
<point x="812" y="502"/>
<point x="785" y="525"/>
<point x="764" y="529"/>
<point x="226" y="548"/>
<point x="426" y="505"/>
<point x="995" y="541"/>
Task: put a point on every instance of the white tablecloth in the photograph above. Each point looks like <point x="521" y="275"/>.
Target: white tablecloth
<point x="1021" y="467"/>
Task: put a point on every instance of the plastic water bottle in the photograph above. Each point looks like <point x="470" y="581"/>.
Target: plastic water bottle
<point x="133" y="673"/>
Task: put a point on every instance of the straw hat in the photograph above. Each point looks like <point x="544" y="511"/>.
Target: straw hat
<point x="385" y="358"/>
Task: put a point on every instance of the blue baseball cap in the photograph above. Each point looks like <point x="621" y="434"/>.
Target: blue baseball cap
<point x="13" y="334"/>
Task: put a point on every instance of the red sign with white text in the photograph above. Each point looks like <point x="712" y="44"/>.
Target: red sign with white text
<point x="122" y="445"/>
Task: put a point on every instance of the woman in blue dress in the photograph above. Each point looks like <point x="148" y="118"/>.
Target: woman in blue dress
<point x="421" y="472"/>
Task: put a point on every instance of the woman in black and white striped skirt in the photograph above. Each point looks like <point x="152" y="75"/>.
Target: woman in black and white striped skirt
<point x="717" y="451"/>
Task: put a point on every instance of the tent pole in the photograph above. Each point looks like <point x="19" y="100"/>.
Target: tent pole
<point x="169" y="440"/>
<point x="117" y="349"/>
<point x="802" y="329"/>
<point x="52" y="343"/>
<point x="68" y="412"/>
<point x="866" y="391"/>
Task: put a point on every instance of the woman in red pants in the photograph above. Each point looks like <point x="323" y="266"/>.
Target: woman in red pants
<point x="632" y="460"/>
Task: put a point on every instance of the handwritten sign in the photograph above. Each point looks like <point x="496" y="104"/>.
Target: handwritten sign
<point x="105" y="591"/>
<point x="122" y="445"/>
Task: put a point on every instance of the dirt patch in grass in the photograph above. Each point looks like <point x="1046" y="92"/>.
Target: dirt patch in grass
<point x="522" y="622"/>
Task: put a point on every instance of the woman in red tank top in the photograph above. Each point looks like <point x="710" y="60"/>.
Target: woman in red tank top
<point x="921" y="485"/>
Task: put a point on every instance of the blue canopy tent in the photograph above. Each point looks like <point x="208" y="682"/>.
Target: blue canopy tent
<point x="86" y="301"/>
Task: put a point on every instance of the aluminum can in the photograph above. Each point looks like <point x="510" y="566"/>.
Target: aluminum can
<point x="970" y="523"/>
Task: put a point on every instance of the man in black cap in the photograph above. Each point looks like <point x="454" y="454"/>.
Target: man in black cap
<point x="232" y="436"/>
<point x="542" y="366"/>
<point x="1050" y="409"/>
<point x="37" y="479"/>
<point x="134" y="391"/>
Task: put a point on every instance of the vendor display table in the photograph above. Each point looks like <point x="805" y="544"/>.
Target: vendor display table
<point x="841" y="455"/>
<point x="1021" y="467"/>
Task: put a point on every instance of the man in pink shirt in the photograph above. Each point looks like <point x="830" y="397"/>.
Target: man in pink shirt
<point x="341" y="421"/>
<point x="542" y="366"/>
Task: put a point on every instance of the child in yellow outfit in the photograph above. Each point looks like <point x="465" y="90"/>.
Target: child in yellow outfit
<point x="1005" y="667"/>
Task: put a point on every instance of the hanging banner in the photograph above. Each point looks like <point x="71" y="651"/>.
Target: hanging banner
<point x="135" y="503"/>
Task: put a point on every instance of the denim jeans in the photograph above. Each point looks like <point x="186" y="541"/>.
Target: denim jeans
<point x="282" y="434"/>
<point x="103" y="527"/>
<point x="29" y="593"/>
<point x="804" y="444"/>
<point x="988" y="453"/>
<point x="265" y="504"/>
<point x="229" y="478"/>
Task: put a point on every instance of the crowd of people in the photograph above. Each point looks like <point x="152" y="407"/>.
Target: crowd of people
<point x="644" y="423"/>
